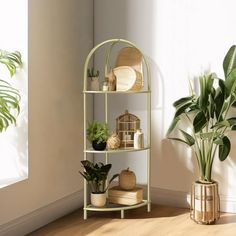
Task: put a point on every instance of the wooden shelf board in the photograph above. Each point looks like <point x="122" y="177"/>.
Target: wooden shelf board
<point x="116" y="92"/>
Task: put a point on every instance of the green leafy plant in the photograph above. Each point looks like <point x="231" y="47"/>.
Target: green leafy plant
<point x="92" y="73"/>
<point x="9" y="96"/>
<point x="96" y="175"/>
<point x="208" y="116"/>
<point x="98" y="132"/>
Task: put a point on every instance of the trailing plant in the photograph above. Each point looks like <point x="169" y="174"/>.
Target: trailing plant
<point x="98" y="132"/>
<point x="96" y="175"/>
<point x="208" y="116"/>
<point x="9" y="96"/>
<point x="92" y="73"/>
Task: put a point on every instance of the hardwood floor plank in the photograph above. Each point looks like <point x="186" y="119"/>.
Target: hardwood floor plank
<point x="161" y="221"/>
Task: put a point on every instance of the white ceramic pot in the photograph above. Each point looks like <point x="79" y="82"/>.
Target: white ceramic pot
<point x="98" y="199"/>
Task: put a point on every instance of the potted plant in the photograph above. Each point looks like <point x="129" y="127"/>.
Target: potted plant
<point x="9" y="96"/>
<point x="97" y="134"/>
<point x="208" y="116"/>
<point x="96" y="176"/>
<point x="94" y="77"/>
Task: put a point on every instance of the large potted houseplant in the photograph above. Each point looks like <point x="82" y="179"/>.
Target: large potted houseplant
<point x="208" y="118"/>
<point x="9" y="96"/>
<point x="97" y="134"/>
<point x="96" y="177"/>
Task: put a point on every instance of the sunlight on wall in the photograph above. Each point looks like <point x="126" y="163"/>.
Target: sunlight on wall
<point x="14" y="141"/>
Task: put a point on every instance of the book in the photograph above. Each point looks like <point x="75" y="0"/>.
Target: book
<point x="125" y="197"/>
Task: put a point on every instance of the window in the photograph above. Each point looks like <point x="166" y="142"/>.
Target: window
<point x="14" y="141"/>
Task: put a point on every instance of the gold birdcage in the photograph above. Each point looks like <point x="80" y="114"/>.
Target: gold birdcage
<point x="126" y="126"/>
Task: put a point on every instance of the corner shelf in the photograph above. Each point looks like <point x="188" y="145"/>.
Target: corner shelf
<point x="107" y="153"/>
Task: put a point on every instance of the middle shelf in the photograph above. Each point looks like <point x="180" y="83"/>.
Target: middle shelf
<point x="120" y="150"/>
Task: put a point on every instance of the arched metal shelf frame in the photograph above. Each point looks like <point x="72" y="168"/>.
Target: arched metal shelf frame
<point x="147" y="92"/>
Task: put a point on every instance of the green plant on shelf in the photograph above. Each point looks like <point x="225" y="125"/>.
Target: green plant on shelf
<point x="98" y="132"/>
<point x="96" y="175"/>
<point x="92" y="73"/>
<point x="9" y="96"/>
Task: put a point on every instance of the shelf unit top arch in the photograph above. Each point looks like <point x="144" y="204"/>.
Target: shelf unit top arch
<point x="112" y="43"/>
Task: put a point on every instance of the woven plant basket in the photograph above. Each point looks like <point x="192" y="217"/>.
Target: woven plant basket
<point x="205" y="202"/>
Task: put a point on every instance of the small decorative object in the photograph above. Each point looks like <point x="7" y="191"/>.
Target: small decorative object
<point x="205" y="205"/>
<point x="126" y="126"/>
<point x="208" y="116"/>
<point x="94" y="76"/>
<point x="131" y="197"/>
<point x="127" y="179"/>
<point x="138" y="139"/>
<point x="113" y="142"/>
<point x="96" y="176"/>
<point x="111" y="81"/>
<point x="105" y="86"/>
<point x="97" y="134"/>
<point x="127" y="79"/>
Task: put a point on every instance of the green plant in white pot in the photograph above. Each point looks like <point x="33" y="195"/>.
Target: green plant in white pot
<point x="96" y="176"/>
<point x="9" y="96"/>
<point x="208" y="117"/>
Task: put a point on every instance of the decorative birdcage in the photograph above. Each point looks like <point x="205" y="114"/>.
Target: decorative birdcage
<point x="126" y="126"/>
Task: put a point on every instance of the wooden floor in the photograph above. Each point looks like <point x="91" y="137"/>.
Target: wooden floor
<point x="161" y="221"/>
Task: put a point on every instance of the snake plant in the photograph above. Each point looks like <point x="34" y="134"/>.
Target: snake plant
<point x="208" y="117"/>
<point x="9" y="96"/>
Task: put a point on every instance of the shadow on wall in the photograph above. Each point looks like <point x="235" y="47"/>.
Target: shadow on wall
<point x="173" y="163"/>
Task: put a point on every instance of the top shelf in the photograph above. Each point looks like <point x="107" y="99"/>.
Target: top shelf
<point x="116" y="92"/>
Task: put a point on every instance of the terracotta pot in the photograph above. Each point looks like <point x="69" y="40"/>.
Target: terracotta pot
<point x="98" y="199"/>
<point x="205" y="202"/>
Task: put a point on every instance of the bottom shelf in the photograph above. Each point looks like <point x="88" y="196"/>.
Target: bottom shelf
<point x="115" y="207"/>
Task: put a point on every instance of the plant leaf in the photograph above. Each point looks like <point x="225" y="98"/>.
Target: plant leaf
<point x="172" y="125"/>
<point x="224" y="148"/>
<point x="229" y="62"/>
<point x="199" y="122"/>
<point x="182" y="109"/>
<point x="188" y="138"/>
<point x="182" y="101"/>
<point x="180" y="140"/>
<point x="230" y="82"/>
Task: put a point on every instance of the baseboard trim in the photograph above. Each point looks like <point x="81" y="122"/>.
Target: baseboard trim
<point x="182" y="199"/>
<point x="38" y="218"/>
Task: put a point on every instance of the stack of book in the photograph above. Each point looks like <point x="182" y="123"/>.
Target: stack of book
<point x="125" y="197"/>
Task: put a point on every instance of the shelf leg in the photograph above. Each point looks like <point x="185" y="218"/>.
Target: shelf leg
<point x="122" y="214"/>
<point x="149" y="207"/>
<point x="85" y="214"/>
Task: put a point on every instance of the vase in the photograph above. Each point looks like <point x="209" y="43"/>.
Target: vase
<point x="98" y="199"/>
<point x="205" y="202"/>
<point x="99" y="146"/>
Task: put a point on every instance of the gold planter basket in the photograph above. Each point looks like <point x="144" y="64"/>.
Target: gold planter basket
<point x="205" y="202"/>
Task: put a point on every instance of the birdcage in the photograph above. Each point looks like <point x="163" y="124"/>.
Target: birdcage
<point x="126" y="126"/>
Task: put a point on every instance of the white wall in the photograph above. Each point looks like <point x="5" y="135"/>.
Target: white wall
<point x="182" y="39"/>
<point x="60" y="36"/>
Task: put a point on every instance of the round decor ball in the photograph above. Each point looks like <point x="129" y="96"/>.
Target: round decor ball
<point x="127" y="180"/>
<point x="113" y="142"/>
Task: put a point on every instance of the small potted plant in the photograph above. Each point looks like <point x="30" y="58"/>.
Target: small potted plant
<point x="207" y="115"/>
<point x="97" y="134"/>
<point x="94" y="77"/>
<point x="96" y="177"/>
